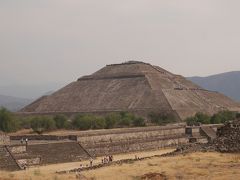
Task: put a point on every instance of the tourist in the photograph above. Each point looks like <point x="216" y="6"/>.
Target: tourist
<point x="107" y="160"/>
<point x="22" y="141"/>
<point x="136" y="157"/>
<point x="110" y="158"/>
<point x="91" y="162"/>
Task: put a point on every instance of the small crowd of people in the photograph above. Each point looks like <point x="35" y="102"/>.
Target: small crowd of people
<point x="107" y="159"/>
<point x="26" y="141"/>
<point x="136" y="157"/>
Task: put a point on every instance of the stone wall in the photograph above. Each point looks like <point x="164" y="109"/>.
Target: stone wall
<point x="51" y="153"/>
<point x="132" y="139"/>
<point x="42" y="137"/>
<point x="133" y="146"/>
<point x="17" y="149"/>
<point x="127" y="136"/>
<point x="6" y="160"/>
<point x="195" y="130"/>
<point x="29" y="161"/>
<point x="4" y="139"/>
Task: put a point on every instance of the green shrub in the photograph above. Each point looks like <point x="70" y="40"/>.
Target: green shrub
<point x="223" y="116"/>
<point x="162" y="118"/>
<point x="7" y="121"/>
<point x="98" y="123"/>
<point x="24" y="122"/>
<point x="126" y="119"/>
<point x="42" y="124"/>
<point x="199" y="118"/>
<point x="220" y="117"/>
<point x="238" y="115"/>
<point x="68" y="125"/>
<point x="191" y="121"/>
<point x="202" y="118"/>
<point x="111" y="120"/>
<point x="82" y="122"/>
<point x="61" y="121"/>
<point x="216" y="119"/>
<point x="139" y="121"/>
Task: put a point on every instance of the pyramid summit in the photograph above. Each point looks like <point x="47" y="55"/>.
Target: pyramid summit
<point x="133" y="86"/>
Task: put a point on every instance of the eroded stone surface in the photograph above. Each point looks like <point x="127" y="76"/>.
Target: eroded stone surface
<point x="135" y="87"/>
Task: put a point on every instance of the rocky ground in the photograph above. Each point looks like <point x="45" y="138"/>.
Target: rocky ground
<point x="227" y="141"/>
<point x="228" y="137"/>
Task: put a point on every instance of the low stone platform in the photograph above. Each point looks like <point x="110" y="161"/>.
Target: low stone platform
<point x="52" y="149"/>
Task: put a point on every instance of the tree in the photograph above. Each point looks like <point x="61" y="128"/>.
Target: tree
<point x="61" y="121"/>
<point x="223" y="116"/>
<point x="126" y="119"/>
<point x="7" y="121"/>
<point x="220" y="117"/>
<point x="238" y="115"/>
<point x="162" y="118"/>
<point x="202" y="118"/>
<point x="98" y="123"/>
<point x="41" y="124"/>
<point x="82" y="122"/>
<point x="198" y="118"/>
<point x="216" y="119"/>
<point x="112" y="119"/>
<point x="25" y="122"/>
<point x="191" y="121"/>
<point x="138" y="121"/>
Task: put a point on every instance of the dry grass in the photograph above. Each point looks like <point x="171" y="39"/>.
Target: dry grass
<point x="191" y="166"/>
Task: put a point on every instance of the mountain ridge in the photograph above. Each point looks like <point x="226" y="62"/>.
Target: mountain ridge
<point x="13" y="103"/>
<point x="227" y="83"/>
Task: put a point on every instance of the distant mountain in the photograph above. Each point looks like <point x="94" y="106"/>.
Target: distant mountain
<point x="15" y="97"/>
<point x="13" y="103"/>
<point x="226" y="83"/>
<point x="33" y="91"/>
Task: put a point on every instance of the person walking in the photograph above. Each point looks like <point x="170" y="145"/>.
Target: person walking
<point x="91" y="162"/>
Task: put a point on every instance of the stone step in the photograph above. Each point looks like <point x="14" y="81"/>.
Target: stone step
<point x="209" y="132"/>
<point x="6" y="160"/>
<point x="57" y="152"/>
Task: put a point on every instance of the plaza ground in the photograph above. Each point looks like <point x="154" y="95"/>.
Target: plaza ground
<point x="190" y="166"/>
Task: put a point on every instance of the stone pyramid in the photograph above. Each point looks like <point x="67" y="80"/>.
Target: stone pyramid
<point x="133" y="86"/>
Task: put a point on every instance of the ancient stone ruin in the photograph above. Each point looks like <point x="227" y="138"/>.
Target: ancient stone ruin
<point x="228" y="137"/>
<point x="135" y="87"/>
<point x="4" y="139"/>
<point x="78" y="146"/>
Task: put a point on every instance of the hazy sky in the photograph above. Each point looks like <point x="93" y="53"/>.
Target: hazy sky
<point x="61" y="40"/>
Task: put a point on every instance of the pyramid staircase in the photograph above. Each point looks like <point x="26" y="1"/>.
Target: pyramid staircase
<point x="7" y="162"/>
<point x="208" y="132"/>
<point x="16" y="160"/>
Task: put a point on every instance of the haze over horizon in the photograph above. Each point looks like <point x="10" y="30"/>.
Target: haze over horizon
<point x="59" y="41"/>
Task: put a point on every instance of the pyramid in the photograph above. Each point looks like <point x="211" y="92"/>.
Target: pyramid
<point x="133" y="86"/>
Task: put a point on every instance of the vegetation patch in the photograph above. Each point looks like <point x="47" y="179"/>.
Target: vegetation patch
<point x="39" y="124"/>
<point x="218" y="118"/>
<point x="162" y="118"/>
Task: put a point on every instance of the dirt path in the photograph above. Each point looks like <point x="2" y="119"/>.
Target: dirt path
<point x="49" y="171"/>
